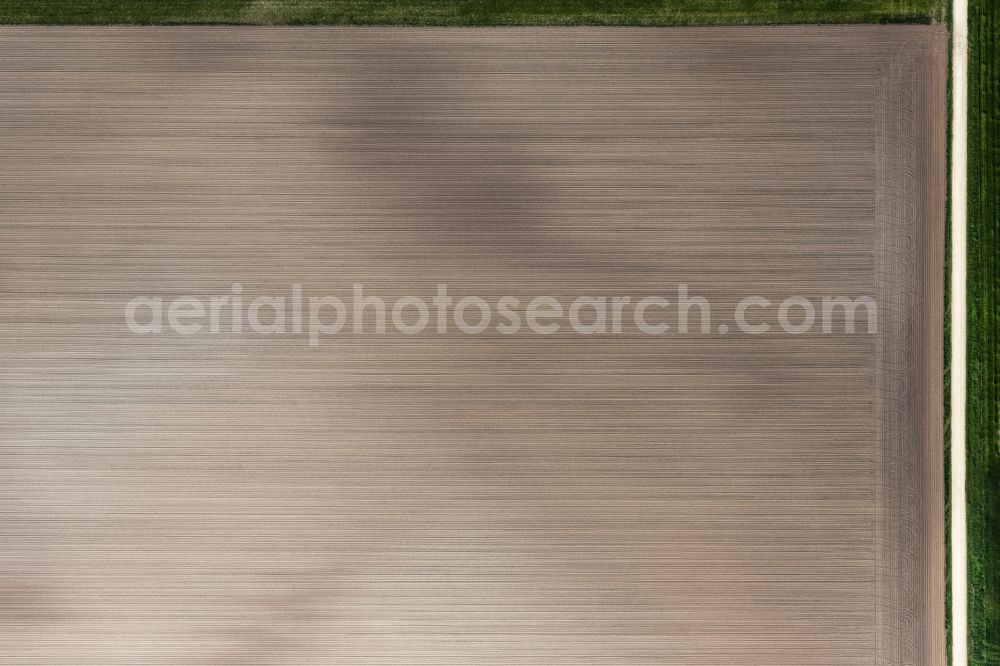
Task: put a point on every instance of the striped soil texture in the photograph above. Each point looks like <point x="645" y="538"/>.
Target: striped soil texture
<point x="445" y="497"/>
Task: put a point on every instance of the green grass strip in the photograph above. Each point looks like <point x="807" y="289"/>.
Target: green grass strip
<point x="983" y="440"/>
<point x="468" y="12"/>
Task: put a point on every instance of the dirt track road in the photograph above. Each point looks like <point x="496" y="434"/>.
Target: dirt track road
<point x="690" y="499"/>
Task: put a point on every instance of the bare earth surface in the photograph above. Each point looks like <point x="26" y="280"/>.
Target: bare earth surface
<point x="443" y="498"/>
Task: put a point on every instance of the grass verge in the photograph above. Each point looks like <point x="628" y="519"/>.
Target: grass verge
<point x="469" y="12"/>
<point x="983" y="338"/>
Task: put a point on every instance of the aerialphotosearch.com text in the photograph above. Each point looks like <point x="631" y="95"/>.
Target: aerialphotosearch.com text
<point x="317" y="317"/>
